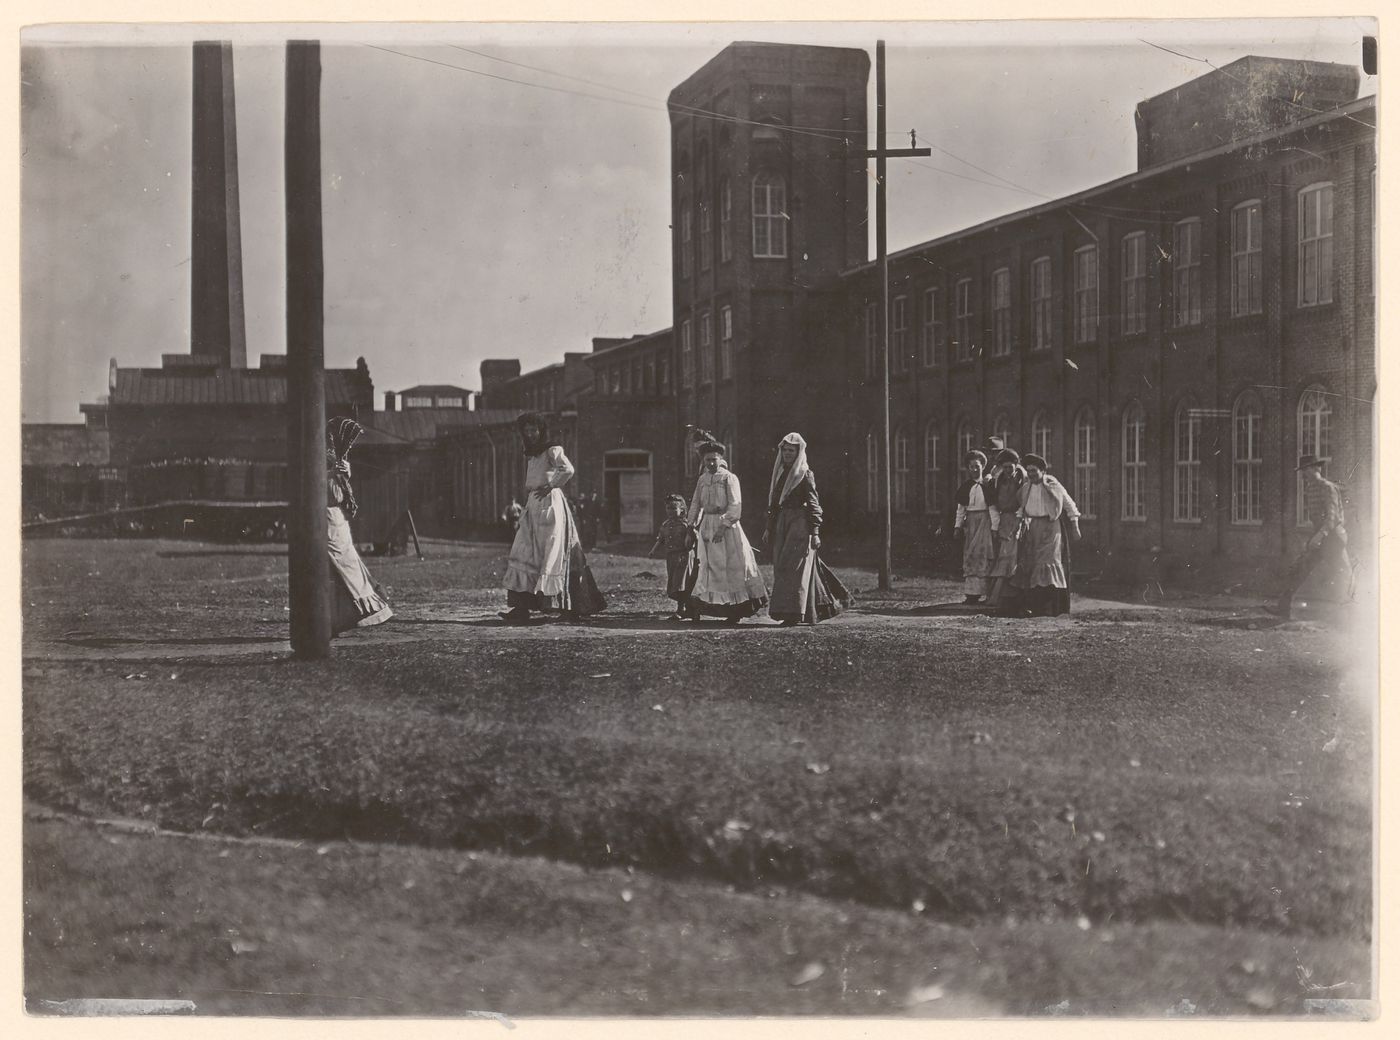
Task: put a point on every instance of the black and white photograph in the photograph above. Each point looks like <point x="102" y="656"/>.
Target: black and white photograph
<point x="699" y="520"/>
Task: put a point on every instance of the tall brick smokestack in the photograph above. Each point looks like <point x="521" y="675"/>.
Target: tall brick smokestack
<point x="216" y="247"/>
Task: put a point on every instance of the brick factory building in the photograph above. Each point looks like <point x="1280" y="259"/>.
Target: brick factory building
<point x="1171" y="340"/>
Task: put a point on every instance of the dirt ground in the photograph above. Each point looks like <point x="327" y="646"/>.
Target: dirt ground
<point x="911" y="809"/>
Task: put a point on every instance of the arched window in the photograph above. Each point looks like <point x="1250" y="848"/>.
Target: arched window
<point x="1001" y="427"/>
<point x="1001" y="312"/>
<point x="1086" y="461"/>
<point x="872" y="472"/>
<point x="1188" y="464"/>
<point x="1134" y="463"/>
<point x="726" y="438"/>
<point x="1314" y="438"/>
<point x="1247" y="464"/>
<point x="769" y="216"/>
<point x="687" y="224"/>
<point x="903" y="450"/>
<point x="1040" y="435"/>
<point x="932" y="445"/>
<point x="1315" y="245"/>
<point x="965" y="441"/>
<point x="691" y="456"/>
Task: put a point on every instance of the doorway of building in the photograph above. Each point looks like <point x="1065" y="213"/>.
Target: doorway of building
<point x="627" y="488"/>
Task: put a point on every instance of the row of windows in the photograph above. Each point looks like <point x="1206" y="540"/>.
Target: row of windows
<point x="648" y="376"/>
<point x="769" y="222"/>
<point x="707" y="349"/>
<point x="1246" y="473"/>
<point x="1314" y="268"/>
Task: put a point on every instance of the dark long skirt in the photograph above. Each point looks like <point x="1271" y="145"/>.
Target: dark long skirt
<point x="1043" y="559"/>
<point x="804" y="589"/>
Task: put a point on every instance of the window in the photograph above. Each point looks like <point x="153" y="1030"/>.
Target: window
<point x="626" y="379"/>
<point x="726" y="209"/>
<point x="872" y="340"/>
<point x="1186" y="272"/>
<point x="688" y="452"/>
<point x="1314" y="438"/>
<point x="931" y="331"/>
<point x="1188" y="465"/>
<point x="663" y="373"/>
<point x="769" y="216"/>
<point x="1086" y="294"/>
<point x="965" y="440"/>
<point x="899" y="334"/>
<point x="1041" y="323"/>
<point x="707" y="217"/>
<point x="1248" y="467"/>
<point x="1315" y="245"/>
<point x="601" y="381"/>
<point x="417" y="402"/>
<point x="726" y="343"/>
<point x="651" y="375"/>
<point x="1040" y="435"/>
<point x="1001" y="312"/>
<point x="686" y="224"/>
<point x="707" y="349"/>
<point x="1134" y="283"/>
<point x="1001" y="427"/>
<point x="962" y="320"/>
<point x="449" y="402"/>
<point x="932" y="443"/>
<point x="1085" y="462"/>
<point x="902" y="452"/>
<point x="687" y="357"/>
<point x="872" y="472"/>
<point x="615" y="377"/>
<point x="1247" y="259"/>
<point x="1134" y="463"/>
<point x="727" y="439"/>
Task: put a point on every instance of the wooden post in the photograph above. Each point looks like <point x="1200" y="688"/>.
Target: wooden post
<point x="307" y="561"/>
<point x="883" y="259"/>
<point x="413" y="530"/>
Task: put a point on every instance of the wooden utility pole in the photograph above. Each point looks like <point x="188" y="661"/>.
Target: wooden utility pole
<point x="307" y="562"/>
<point x="880" y="153"/>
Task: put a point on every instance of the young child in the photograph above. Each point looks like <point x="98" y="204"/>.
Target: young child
<point x="677" y="539"/>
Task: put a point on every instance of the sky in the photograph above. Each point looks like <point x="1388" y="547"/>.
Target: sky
<point x="489" y="210"/>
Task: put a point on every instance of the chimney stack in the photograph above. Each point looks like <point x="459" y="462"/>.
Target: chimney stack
<point x="216" y="245"/>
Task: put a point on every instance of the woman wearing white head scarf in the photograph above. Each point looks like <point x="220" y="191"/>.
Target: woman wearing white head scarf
<point x="804" y="590"/>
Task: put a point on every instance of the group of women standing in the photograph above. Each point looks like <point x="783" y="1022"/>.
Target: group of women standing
<point x="1016" y="527"/>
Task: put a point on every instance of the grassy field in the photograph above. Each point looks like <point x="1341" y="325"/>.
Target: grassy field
<point x="1193" y="782"/>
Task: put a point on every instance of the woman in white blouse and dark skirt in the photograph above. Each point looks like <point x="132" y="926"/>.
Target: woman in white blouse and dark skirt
<point x="976" y="522"/>
<point x="1048" y="521"/>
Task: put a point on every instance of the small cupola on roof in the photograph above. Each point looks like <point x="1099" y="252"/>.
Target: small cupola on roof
<point x="1250" y="96"/>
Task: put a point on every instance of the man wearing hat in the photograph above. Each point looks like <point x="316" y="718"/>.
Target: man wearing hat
<point x="1328" y="543"/>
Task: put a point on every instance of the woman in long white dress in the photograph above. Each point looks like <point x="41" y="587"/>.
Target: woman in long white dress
<point x="547" y="570"/>
<point x="728" y="584"/>
<point x="356" y="601"/>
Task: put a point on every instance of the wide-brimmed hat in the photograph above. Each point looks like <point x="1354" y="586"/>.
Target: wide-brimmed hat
<point x="1308" y="461"/>
<point x="1008" y="455"/>
<point x="1030" y="458"/>
<point x="975" y="454"/>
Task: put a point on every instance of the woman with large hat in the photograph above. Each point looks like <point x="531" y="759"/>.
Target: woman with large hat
<point x="1047" y="521"/>
<point x="547" y="570"/>
<point x="356" y="601"/>
<point x="804" y="589"/>
<point x="728" y="584"/>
